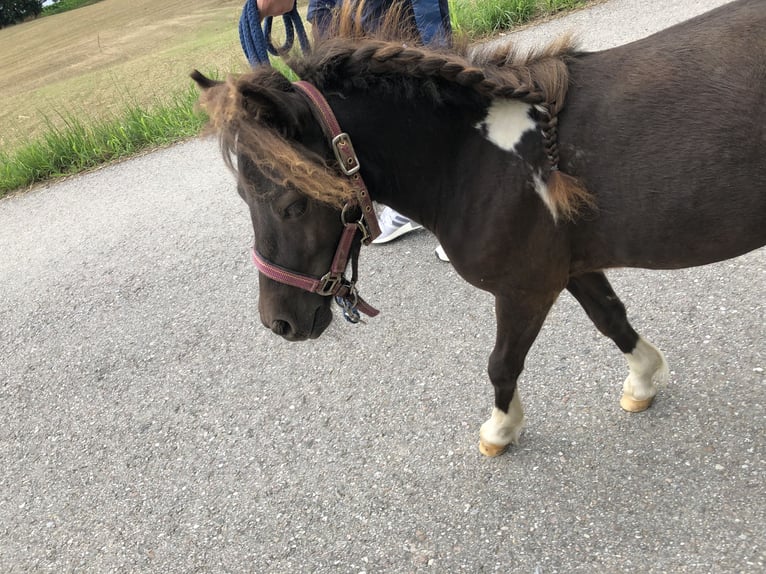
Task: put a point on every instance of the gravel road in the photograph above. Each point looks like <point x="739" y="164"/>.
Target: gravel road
<point x="149" y="423"/>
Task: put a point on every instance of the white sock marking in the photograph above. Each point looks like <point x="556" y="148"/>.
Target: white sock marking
<point x="646" y="363"/>
<point x="502" y="429"/>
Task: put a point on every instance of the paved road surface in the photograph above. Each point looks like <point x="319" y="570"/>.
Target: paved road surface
<point x="148" y="422"/>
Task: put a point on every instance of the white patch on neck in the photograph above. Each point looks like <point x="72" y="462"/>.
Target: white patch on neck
<point x="542" y="190"/>
<point x="506" y="123"/>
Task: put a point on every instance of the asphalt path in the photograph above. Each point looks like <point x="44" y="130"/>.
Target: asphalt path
<point x="149" y="423"/>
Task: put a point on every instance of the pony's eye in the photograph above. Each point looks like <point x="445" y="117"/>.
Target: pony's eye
<point x="296" y="208"/>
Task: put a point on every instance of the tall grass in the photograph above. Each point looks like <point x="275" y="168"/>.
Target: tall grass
<point x="80" y="145"/>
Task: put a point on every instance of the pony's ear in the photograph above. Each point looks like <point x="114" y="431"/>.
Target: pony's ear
<point x="266" y="97"/>
<point x="274" y="103"/>
<point x="214" y="98"/>
<point x="203" y="81"/>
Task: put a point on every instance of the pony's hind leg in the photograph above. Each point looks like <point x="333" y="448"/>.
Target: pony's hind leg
<point x="646" y="363"/>
<point x="519" y="319"/>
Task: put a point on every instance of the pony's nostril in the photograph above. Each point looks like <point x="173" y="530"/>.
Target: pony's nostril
<point x="280" y="327"/>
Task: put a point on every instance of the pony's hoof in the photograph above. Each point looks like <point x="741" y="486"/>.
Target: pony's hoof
<point x="489" y="449"/>
<point x="631" y="405"/>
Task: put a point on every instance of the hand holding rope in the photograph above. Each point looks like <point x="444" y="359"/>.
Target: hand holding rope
<point x="256" y="41"/>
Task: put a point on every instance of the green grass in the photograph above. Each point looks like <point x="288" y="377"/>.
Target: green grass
<point x="481" y="18"/>
<point x="72" y="144"/>
<point x="79" y="145"/>
<point x="66" y="5"/>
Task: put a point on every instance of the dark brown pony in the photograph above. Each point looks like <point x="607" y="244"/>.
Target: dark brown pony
<point x="535" y="173"/>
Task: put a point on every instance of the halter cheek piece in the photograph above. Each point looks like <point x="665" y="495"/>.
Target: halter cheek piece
<point x="333" y="283"/>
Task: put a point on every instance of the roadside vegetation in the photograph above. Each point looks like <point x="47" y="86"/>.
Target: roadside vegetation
<point x="128" y="89"/>
<point x="481" y="18"/>
<point x="78" y="144"/>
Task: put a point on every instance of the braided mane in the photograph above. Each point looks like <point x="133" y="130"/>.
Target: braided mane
<point x="539" y="78"/>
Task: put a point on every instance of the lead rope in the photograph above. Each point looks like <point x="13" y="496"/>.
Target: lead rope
<point x="256" y="41"/>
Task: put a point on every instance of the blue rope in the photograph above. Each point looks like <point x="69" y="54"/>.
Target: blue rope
<point x="256" y="42"/>
<point x="251" y="36"/>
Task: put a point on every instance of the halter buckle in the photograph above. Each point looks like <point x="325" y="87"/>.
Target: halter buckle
<point x="345" y="154"/>
<point x="329" y="284"/>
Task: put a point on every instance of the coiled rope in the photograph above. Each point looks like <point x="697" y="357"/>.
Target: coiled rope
<point x="256" y="41"/>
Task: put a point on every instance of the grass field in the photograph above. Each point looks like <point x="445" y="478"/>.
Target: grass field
<point x="99" y="59"/>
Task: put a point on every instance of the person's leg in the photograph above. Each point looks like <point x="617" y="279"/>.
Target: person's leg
<point x="320" y="14"/>
<point x="432" y="20"/>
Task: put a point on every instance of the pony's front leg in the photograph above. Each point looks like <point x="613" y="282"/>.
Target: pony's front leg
<point x="519" y="319"/>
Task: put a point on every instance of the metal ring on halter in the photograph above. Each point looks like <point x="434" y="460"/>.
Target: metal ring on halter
<point x="352" y="316"/>
<point x="346" y="208"/>
<point x="352" y="296"/>
<point x="360" y="223"/>
<point x="349" y="304"/>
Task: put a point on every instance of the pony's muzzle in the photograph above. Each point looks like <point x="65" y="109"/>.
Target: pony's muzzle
<point x="293" y="329"/>
<point x="286" y="329"/>
<point x="281" y="328"/>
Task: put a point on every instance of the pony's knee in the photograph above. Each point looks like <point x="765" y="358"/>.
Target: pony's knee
<point x="502" y="428"/>
<point x="647" y="369"/>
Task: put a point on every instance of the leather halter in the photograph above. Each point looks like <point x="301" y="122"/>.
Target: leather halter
<point x="333" y="283"/>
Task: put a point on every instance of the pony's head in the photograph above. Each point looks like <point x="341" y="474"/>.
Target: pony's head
<point x="288" y="176"/>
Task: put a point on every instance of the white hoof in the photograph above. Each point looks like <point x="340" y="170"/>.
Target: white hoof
<point x="502" y="429"/>
<point x="648" y="370"/>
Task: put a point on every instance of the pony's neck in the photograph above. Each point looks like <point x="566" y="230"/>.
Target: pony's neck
<point x="409" y="151"/>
